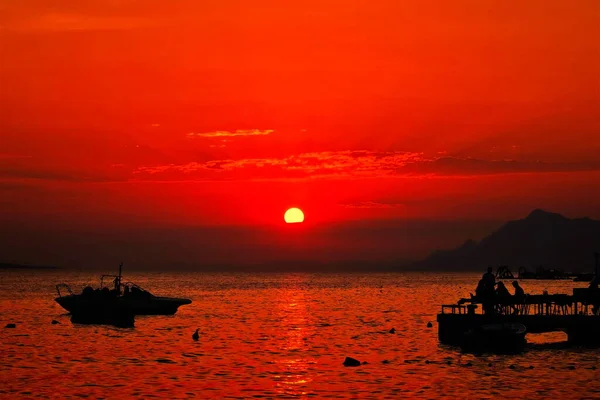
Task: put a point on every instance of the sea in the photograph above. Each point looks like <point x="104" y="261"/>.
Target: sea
<point x="275" y="335"/>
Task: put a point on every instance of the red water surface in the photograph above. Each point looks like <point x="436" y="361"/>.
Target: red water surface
<point x="274" y="335"/>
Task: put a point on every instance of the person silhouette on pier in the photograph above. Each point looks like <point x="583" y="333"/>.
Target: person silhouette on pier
<point x="489" y="294"/>
<point x="480" y="291"/>
<point x="489" y="279"/>
<point x="519" y="292"/>
<point x="502" y="292"/>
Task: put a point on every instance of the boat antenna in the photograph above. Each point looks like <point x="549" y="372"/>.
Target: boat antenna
<point x="118" y="280"/>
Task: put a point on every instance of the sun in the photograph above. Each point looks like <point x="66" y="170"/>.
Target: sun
<point x="293" y="216"/>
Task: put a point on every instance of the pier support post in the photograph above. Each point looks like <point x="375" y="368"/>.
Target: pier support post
<point x="587" y="334"/>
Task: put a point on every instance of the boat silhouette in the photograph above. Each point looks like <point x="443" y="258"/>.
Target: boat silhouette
<point x="116" y="306"/>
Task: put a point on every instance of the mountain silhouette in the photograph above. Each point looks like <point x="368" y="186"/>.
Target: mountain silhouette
<point x="542" y="238"/>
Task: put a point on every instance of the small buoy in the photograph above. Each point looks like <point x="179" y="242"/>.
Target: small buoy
<point x="511" y="366"/>
<point x="449" y="362"/>
<point x="11" y="326"/>
<point x="468" y="364"/>
<point x="54" y="322"/>
<point x="385" y="362"/>
<point x="429" y="324"/>
<point x="351" y="362"/>
<point x="490" y="365"/>
<point x="196" y="336"/>
<point x="531" y="367"/>
<point x="426" y="361"/>
<point x="393" y="330"/>
<point x="571" y="367"/>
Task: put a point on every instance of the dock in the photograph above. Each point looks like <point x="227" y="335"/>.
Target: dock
<point x="577" y="315"/>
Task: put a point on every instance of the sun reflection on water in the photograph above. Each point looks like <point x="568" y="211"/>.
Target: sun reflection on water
<point x="294" y="314"/>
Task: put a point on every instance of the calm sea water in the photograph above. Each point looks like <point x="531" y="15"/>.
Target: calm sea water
<point x="274" y="335"/>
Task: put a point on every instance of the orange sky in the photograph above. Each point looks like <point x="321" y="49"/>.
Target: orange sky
<point x="205" y="113"/>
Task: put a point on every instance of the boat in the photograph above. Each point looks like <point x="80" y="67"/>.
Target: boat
<point x="100" y="307"/>
<point x="124" y="298"/>
<point x="543" y="274"/>
<point x="498" y="338"/>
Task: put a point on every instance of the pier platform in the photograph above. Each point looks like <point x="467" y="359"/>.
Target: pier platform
<point x="577" y="315"/>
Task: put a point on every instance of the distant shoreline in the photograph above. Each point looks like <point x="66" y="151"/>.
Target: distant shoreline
<point x="21" y="266"/>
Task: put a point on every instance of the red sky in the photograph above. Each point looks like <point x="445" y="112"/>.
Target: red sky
<point x="121" y="114"/>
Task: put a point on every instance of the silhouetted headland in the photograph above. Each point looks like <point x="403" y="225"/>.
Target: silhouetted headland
<point x="542" y="238"/>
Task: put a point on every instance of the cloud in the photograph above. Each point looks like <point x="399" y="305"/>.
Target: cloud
<point x="29" y="168"/>
<point x="239" y="132"/>
<point x="341" y="163"/>
<point x="312" y="165"/>
<point x="351" y="164"/>
<point x="473" y="166"/>
<point x="372" y="204"/>
<point x="50" y="175"/>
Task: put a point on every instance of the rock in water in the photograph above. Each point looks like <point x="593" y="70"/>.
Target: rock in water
<point x="196" y="336"/>
<point x="429" y="324"/>
<point x="393" y="330"/>
<point x="54" y="322"/>
<point x="351" y="362"/>
<point x="11" y="326"/>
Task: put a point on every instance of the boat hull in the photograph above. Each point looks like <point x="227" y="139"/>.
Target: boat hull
<point x="101" y="311"/>
<point x="142" y="306"/>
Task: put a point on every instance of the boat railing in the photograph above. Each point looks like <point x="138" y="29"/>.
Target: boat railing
<point x="123" y="287"/>
<point x="459" y="309"/>
<point x="108" y="276"/>
<point x="65" y="287"/>
<point x="132" y="288"/>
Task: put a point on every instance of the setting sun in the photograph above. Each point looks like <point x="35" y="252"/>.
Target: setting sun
<point x="294" y="216"/>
